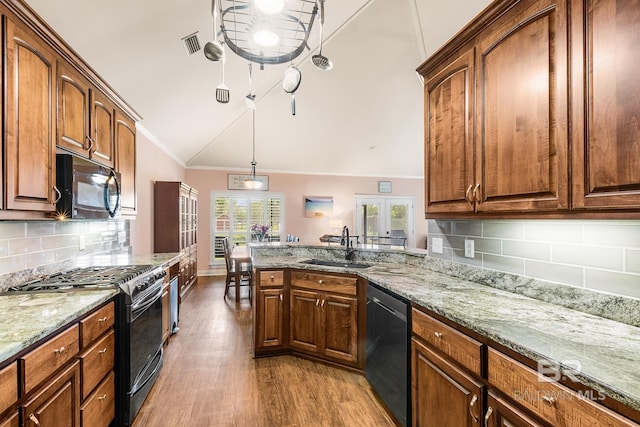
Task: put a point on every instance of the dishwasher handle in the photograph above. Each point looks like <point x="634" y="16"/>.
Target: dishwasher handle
<point x="388" y="309"/>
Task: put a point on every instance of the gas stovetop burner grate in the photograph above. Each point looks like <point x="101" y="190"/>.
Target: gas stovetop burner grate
<point x="87" y="277"/>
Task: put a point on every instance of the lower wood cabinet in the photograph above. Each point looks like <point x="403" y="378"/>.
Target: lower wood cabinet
<point x="57" y="402"/>
<point x="443" y="395"/>
<point x="319" y="314"/>
<point x="11" y="421"/>
<point x="501" y="413"/>
<point x="98" y="410"/>
<point x="270" y="318"/>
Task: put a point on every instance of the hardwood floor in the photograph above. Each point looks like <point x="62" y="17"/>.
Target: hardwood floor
<point x="210" y="377"/>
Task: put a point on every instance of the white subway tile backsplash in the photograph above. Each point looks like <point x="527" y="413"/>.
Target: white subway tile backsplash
<point x="588" y="256"/>
<point x="503" y="229"/>
<point x="37" y="259"/>
<point x="569" y="275"/>
<point x="614" y="233"/>
<point x="24" y="246"/>
<point x="528" y="250"/>
<point x="11" y="230"/>
<point x="12" y="263"/>
<point x="502" y="263"/>
<point x="633" y="261"/>
<point x="613" y="282"/>
<point x="39" y="229"/>
<point x="553" y="231"/>
<point x="597" y="254"/>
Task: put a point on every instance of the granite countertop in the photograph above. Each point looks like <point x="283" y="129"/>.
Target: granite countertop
<point x="605" y="352"/>
<point x="29" y="317"/>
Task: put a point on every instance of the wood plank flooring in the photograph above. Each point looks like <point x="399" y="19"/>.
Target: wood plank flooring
<point x="210" y="377"/>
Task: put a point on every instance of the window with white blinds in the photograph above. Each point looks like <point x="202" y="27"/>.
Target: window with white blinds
<point x="235" y="213"/>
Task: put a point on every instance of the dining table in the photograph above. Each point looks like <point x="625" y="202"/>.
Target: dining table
<point x="240" y="255"/>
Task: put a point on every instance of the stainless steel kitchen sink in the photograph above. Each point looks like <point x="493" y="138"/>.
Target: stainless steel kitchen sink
<point x="344" y="264"/>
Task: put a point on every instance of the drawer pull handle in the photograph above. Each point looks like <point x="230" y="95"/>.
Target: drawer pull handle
<point x="438" y="334"/>
<point x="103" y="397"/>
<point x="103" y="351"/>
<point x="549" y="400"/>
<point x="102" y="320"/>
<point x="60" y="350"/>
<point x="466" y="195"/>
<point x="320" y="281"/>
<point x="486" y="417"/>
<point x="474" y="399"/>
<point x="273" y="278"/>
<point x="34" y="419"/>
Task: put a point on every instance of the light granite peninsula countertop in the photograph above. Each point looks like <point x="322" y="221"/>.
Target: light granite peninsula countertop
<point x="607" y="352"/>
<point x="29" y="317"/>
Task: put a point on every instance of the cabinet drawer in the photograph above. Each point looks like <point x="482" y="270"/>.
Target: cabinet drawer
<point x="96" y="362"/>
<point x="46" y="359"/>
<point x="324" y="282"/>
<point x="97" y="324"/>
<point x="8" y="386"/>
<point x="271" y="279"/>
<point x="463" y="349"/>
<point x="99" y="408"/>
<point x="551" y="401"/>
<point x="11" y="421"/>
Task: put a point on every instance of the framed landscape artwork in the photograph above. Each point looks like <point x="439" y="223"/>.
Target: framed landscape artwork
<point x="318" y="206"/>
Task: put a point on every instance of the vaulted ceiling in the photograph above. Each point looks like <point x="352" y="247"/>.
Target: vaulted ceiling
<point x="362" y="118"/>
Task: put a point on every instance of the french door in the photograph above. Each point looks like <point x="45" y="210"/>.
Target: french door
<point x="379" y="219"/>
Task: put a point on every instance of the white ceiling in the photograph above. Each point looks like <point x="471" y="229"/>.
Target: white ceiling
<point x="363" y="118"/>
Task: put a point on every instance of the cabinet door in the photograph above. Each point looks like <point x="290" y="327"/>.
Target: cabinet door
<point x="10" y="421"/>
<point x="102" y="129"/>
<point x="500" y="413"/>
<point x="449" y="168"/>
<point x="304" y="320"/>
<point x="56" y="403"/>
<point x="270" y="318"/>
<point x="73" y="110"/>
<point x="443" y="395"/>
<point x="30" y="128"/>
<point x="606" y="114"/>
<point x="126" y="162"/>
<point x="339" y="327"/>
<point x="521" y="117"/>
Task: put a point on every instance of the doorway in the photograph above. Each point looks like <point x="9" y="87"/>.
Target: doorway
<point x="380" y="220"/>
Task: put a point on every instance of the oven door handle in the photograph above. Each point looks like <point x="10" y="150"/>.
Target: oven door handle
<point x="141" y="306"/>
<point x="137" y="385"/>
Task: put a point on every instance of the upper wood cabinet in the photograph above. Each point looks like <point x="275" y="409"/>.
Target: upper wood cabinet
<point x="449" y="149"/>
<point x="521" y="116"/>
<point x="126" y="161"/>
<point x="518" y="121"/>
<point x="30" y="151"/>
<point x="606" y="111"/>
<point x="85" y="117"/>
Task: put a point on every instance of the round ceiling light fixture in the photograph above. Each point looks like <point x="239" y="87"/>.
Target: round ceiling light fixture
<point x="264" y="36"/>
<point x="269" y="7"/>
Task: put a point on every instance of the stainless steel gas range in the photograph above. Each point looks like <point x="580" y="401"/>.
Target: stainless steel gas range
<point x="138" y="324"/>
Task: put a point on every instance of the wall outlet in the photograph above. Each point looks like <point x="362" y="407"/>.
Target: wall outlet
<point x="81" y="243"/>
<point x="436" y="245"/>
<point x="469" y="249"/>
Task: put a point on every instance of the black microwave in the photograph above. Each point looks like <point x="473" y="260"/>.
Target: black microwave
<point x="87" y="189"/>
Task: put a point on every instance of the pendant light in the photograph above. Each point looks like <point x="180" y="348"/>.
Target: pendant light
<point x="252" y="182"/>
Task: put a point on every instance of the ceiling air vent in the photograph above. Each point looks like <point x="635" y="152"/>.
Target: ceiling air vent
<point x="191" y="43"/>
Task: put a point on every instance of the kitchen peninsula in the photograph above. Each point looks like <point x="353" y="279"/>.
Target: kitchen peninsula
<point x="589" y="354"/>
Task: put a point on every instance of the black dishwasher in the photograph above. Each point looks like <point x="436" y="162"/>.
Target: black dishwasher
<point x="387" y="353"/>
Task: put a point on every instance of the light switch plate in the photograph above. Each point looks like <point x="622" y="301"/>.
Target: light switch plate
<point x="436" y="245"/>
<point x="469" y="249"/>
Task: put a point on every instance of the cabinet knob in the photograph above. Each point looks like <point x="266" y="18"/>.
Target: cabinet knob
<point x="60" y="350"/>
<point x="320" y="281"/>
<point x="103" y="351"/>
<point x="103" y="319"/>
<point x="34" y="419"/>
<point x="103" y="397"/>
<point x="438" y="334"/>
<point x="273" y="278"/>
